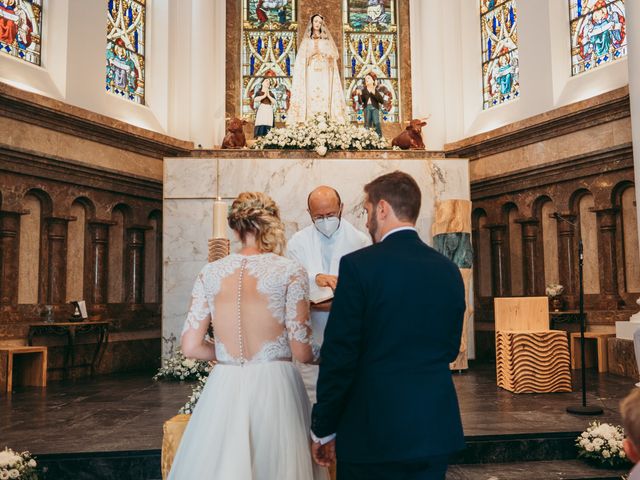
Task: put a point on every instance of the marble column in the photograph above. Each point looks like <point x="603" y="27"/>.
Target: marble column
<point x="607" y="225"/>
<point x="99" y="262"/>
<point x="568" y="258"/>
<point x="134" y="278"/>
<point x="9" y="248"/>
<point x="533" y="273"/>
<point x="501" y="279"/>
<point x="633" y="61"/>
<point x="55" y="261"/>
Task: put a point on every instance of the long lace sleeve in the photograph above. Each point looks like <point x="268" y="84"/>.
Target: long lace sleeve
<point x="297" y="312"/>
<point x="198" y="309"/>
<point x="197" y="323"/>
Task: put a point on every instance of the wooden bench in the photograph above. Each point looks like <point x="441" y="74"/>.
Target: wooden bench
<point x="22" y="366"/>
<point x="592" y="355"/>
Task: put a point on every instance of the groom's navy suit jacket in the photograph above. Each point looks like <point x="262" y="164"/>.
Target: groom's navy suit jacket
<point x="395" y="325"/>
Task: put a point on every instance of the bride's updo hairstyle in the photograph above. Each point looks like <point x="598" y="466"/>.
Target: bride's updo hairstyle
<point x="258" y="214"/>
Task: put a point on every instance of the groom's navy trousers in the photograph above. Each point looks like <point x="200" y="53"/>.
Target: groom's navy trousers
<point x="384" y="385"/>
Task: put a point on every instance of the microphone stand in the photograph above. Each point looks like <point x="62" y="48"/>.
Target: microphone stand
<point x="583" y="409"/>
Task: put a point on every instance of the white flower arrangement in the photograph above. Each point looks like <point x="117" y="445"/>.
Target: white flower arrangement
<point x="20" y="466"/>
<point x="188" y="407"/>
<point x="322" y="134"/>
<point x="178" y="367"/>
<point x="602" y="443"/>
<point x="554" y="290"/>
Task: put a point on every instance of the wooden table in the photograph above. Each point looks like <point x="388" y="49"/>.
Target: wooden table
<point x="567" y="320"/>
<point x="70" y="330"/>
<point x="22" y="366"/>
<point x="600" y="350"/>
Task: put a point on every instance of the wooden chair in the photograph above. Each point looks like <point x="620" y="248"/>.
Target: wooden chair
<point x="530" y="358"/>
<point x="22" y="366"/>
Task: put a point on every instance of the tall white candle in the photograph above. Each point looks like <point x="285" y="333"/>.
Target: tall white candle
<point x="219" y="219"/>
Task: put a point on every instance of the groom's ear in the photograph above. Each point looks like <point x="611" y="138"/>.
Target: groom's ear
<point x="385" y="209"/>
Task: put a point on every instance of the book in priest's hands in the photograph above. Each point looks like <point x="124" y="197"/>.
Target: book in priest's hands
<point x="320" y="294"/>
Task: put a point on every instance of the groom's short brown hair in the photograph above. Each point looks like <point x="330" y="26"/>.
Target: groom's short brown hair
<point x="399" y="190"/>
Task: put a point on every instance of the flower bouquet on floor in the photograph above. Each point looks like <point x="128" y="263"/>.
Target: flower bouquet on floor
<point x="322" y="134"/>
<point x="20" y="466"/>
<point x="187" y="408"/>
<point x="601" y="444"/>
<point x="176" y="366"/>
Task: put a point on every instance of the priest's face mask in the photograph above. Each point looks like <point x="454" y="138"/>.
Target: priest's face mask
<point x="328" y="223"/>
<point x="326" y="216"/>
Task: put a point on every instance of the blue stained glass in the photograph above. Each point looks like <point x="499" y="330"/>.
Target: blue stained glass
<point x="21" y="29"/>
<point x="370" y="39"/>
<point x="500" y="72"/>
<point x="598" y="33"/>
<point x="125" y="60"/>
<point x="268" y="49"/>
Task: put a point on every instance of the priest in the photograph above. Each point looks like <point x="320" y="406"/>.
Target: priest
<point x="319" y="248"/>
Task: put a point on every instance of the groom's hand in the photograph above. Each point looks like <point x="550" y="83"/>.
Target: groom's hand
<point x="324" y="455"/>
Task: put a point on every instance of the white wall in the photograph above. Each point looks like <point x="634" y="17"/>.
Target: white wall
<point x="184" y="65"/>
<point x="451" y="31"/>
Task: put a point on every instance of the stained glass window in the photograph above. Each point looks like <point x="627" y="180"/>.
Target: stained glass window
<point x="269" y="45"/>
<point x="21" y="29"/>
<point x="598" y="33"/>
<point x="500" y="72"/>
<point x="371" y="46"/>
<point x="126" y="49"/>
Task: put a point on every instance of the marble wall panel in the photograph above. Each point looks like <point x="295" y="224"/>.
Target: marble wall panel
<point x="30" y="137"/>
<point x="185" y="237"/>
<point x="75" y="246"/>
<point x="29" y="251"/>
<point x="187" y="218"/>
<point x="588" y="140"/>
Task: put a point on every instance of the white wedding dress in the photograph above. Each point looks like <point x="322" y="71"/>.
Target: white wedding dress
<point x="252" y="419"/>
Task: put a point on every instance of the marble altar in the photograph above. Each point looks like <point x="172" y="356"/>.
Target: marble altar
<point x="191" y="184"/>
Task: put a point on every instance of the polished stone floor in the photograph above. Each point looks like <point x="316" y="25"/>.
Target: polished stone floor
<point x="125" y="412"/>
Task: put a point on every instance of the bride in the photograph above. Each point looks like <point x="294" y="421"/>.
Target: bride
<point x="316" y="85"/>
<point x="252" y="419"/>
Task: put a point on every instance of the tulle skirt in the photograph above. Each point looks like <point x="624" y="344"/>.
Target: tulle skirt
<point x="250" y="423"/>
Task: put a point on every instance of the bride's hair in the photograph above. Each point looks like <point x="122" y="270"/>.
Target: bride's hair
<point x="258" y="214"/>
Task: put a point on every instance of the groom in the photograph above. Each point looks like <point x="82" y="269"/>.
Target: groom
<point x="386" y="401"/>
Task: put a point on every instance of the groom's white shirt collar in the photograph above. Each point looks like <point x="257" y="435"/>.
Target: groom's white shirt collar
<point x="399" y="229"/>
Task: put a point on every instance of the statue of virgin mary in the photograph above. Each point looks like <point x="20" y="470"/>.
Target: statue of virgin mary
<point x="316" y="85"/>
